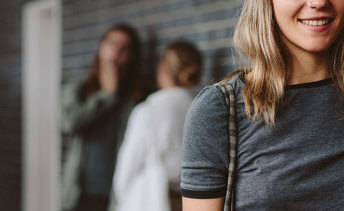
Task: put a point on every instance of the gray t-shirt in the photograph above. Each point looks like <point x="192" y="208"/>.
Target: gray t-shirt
<point x="295" y="165"/>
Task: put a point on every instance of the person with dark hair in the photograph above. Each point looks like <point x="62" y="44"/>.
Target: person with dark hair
<point x="151" y="151"/>
<point x="95" y="113"/>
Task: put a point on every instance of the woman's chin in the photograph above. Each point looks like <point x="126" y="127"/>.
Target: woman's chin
<point x="317" y="49"/>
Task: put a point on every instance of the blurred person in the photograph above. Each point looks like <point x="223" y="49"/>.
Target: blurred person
<point x="95" y="113"/>
<point x="155" y="131"/>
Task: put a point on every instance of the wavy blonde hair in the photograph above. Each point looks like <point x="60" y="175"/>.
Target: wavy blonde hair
<point x="257" y="36"/>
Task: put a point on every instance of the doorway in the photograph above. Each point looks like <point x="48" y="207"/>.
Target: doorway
<point x="41" y="85"/>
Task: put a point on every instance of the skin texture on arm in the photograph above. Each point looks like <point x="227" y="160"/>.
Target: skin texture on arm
<point x="215" y="204"/>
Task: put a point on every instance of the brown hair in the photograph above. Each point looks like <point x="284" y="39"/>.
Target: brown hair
<point x="127" y="86"/>
<point x="184" y="62"/>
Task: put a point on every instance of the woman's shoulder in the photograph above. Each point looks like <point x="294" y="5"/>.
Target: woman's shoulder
<point x="73" y="84"/>
<point x="236" y="79"/>
<point x="170" y="97"/>
<point x="208" y="101"/>
<point x="213" y="93"/>
<point x="72" y="90"/>
<point x="72" y="87"/>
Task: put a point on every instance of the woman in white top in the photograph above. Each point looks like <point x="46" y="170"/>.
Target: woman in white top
<point x="156" y="126"/>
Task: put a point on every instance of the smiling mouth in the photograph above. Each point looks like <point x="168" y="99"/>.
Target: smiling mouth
<point x="316" y="22"/>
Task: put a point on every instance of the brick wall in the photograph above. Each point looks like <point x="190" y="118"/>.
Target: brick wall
<point x="10" y="104"/>
<point x="208" y="23"/>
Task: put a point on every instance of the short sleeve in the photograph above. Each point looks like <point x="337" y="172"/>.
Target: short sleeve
<point x="205" y="146"/>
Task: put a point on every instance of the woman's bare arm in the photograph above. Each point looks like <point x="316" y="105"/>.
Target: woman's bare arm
<point x="215" y="204"/>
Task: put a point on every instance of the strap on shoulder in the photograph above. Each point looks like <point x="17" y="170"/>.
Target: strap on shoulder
<point x="229" y="96"/>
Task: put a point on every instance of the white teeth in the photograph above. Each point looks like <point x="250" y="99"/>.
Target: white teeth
<point x="315" y="22"/>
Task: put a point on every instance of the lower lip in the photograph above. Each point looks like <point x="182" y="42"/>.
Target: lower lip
<point x="316" y="28"/>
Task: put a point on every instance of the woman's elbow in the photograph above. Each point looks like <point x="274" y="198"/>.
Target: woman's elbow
<point x="190" y="204"/>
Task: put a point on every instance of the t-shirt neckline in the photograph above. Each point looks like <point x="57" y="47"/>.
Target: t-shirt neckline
<point x="313" y="84"/>
<point x="323" y="82"/>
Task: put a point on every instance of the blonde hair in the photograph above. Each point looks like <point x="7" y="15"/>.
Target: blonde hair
<point x="184" y="62"/>
<point x="257" y="36"/>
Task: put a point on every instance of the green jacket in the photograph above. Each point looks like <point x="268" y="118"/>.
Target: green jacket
<point x="95" y="127"/>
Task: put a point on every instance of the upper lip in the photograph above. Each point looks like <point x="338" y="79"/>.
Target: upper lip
<point x="317" y="18"/>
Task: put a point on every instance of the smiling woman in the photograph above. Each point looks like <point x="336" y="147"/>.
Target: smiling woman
<point x="289" y="115"/>
<point x="310" y="25"/>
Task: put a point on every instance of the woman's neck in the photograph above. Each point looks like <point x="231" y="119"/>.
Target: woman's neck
<point x="167" y="85"/>
<point x="308" y="67"/>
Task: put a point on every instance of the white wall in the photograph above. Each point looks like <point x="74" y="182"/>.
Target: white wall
<point x="41" y="79"/>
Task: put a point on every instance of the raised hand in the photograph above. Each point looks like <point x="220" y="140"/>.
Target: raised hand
<point x="109" y="77"/>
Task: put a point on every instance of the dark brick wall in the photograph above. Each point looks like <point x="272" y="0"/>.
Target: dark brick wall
<point x="10" y="104"/>
<point x="208" y="23"/>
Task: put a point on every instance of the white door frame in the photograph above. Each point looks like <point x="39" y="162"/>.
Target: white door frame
<point x="41" y="90"/>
